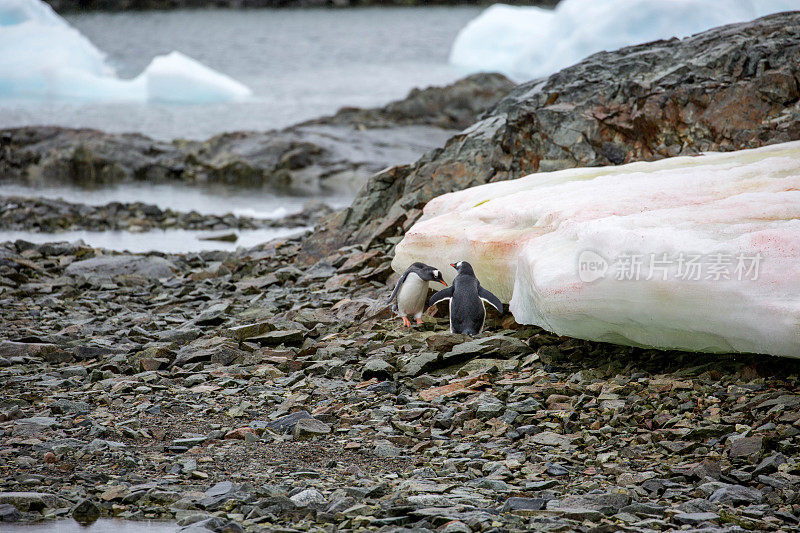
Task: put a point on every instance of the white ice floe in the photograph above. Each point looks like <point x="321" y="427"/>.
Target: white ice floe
<point x="43" y="57"/>
<point x="526" y="42"/>
<point x="695" y="253"/>
<point x="177" y="78"/>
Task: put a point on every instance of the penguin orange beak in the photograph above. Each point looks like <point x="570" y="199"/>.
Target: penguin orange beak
<point x="453" y="265"/>
<point x="442" y="282"/>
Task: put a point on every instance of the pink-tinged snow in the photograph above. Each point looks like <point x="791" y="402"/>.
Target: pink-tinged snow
<point x="606" y="253"/>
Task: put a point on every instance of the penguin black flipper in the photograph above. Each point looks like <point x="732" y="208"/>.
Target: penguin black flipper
<point x="490" y="299"/>
<point x="444" y="294"/>
<point x="399" y="284"/>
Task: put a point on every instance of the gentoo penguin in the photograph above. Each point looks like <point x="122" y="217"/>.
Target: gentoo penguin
<point x="467" y="312"/>
<point x="412" y="291"/>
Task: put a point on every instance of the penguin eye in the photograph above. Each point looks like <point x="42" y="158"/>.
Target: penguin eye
<point x="435" y="273"/>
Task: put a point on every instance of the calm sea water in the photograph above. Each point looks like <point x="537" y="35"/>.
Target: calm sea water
<point x="300" y="64"/>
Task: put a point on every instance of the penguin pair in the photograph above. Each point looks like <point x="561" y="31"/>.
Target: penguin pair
<point x="466" y="297"/>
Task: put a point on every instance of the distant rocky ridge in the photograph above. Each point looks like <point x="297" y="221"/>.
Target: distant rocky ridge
<point x="48" y="215"/>
<point x="336" y="153"/>
<point x="728" y="88"/>
<point x="117" y="5"/>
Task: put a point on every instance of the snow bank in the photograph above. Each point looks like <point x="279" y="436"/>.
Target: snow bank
<point x="42" y="56"/>
<point x="526" y="42"/>
<point x="694" y="253"/>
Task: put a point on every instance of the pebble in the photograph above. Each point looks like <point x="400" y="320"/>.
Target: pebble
<point x="85" y="512"/>
<point x="239" y="433"/>
<point x="308" y="498"/>
<point x="517" y="503"/>
<point x="694" y="519"/>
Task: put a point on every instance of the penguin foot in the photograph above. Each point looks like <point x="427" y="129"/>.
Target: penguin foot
<point x="406" y="322"/>
<point x="419" y="321"/>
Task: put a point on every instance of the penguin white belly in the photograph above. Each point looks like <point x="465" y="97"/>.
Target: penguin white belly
<point x="412" y="295"/>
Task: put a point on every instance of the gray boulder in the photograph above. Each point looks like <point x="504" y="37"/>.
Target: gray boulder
<point x="32" y="501"/>
<point x="737" y="495"/>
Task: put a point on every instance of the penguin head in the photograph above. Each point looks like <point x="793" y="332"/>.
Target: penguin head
<point x="463" y="268"/>
<point x="426" y="272"/>
<point x="432" y="274"/>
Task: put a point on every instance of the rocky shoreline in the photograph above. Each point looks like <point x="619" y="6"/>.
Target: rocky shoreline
<point x="53" y="216"/>
<point x="240" y="391"/>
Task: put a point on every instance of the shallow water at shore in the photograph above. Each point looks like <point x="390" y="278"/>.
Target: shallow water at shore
<point x="211" y="200"/>
<point x="167" y="241"/>
<point x="104" y="525"/>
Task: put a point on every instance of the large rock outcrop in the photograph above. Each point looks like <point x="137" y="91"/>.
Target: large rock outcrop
<point x="729" y="88"/>
<point x="336" y="153"/>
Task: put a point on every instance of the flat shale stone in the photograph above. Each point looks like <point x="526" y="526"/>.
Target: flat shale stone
<point x="281" y="336"/>
<point x="213" y="314"/>
<point x="377" y="368"/>
<point x="737" y="495"/>
<point x="247" y="331"/>
<point x="27" y="349"/>
<point x="694" y="519"/>
<point x="549" y="438"/>
<point x="151" y="267"/>
<point x="608" y="503"/>
<point x="517" y="503"/>
<point x="286" y="424"/>
<point x="746" y="447"/>
<point x="306" y="428"/>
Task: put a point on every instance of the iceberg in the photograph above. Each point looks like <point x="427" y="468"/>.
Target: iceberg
<point x="527" y="42"/>
<point x="693" y="253"/>
<point x="177" y="78"/>
<point x="43" y="57"/>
